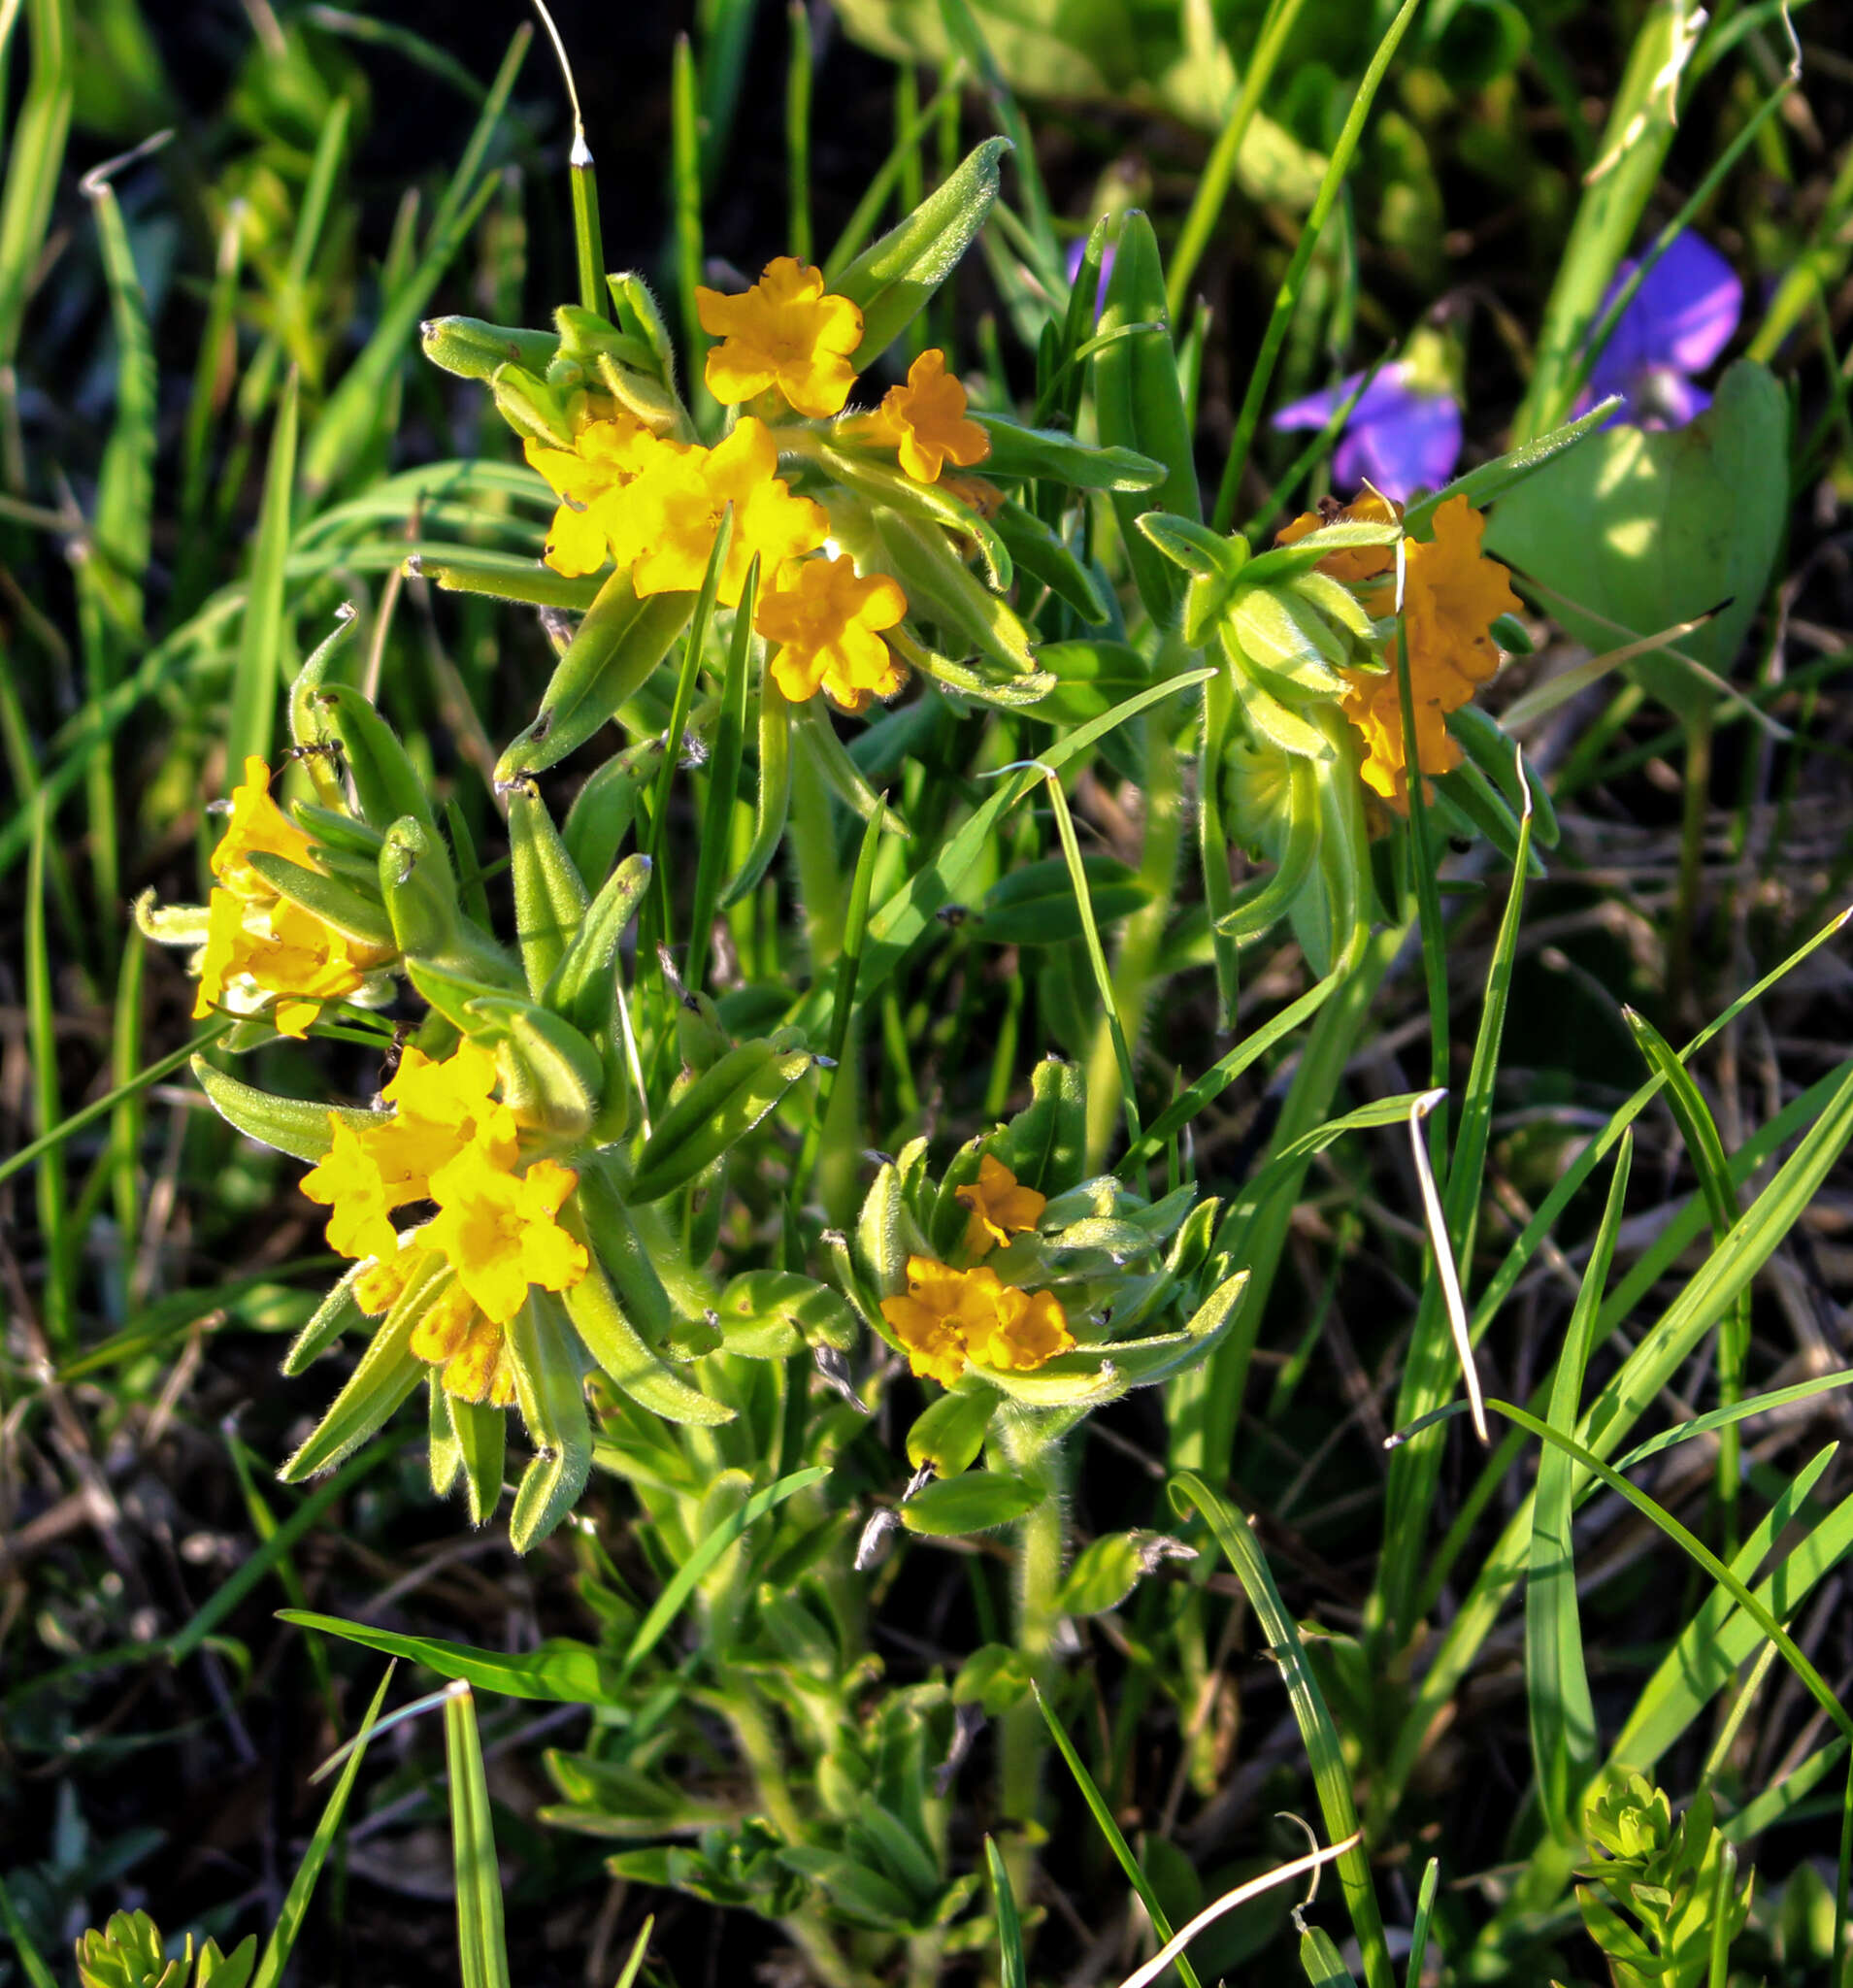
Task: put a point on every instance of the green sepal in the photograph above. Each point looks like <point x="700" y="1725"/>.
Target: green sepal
<point x="480" y="1432"/>
<point x="1019" y="453"/>
<point x="585" y="337"/>
<point x="443" y="1453"/>
<point x="995" y="1678"/>
<point x="1039" y="553"/>
<point x="1034" y="904"/>
<point x="337" y="1313"/>
<point x="585" y="984"/>
<point x="638" y="316"/>
<point x="473" y="350"/>
<point x="550" y="1389"/>
<point x="291" y="1125"/>
<point x="612" y="655"/>
<point x="1287" y="562"/>
<point x="387" y="785"/>
<point x="1268" y="717"/>
<point x="604" y="808"/>
<point x="1280" y="633"/>
<point x="620" y="1350"/>
<point x="552" y="1076"/>
<point x="530" y="406"/>
<point x="387" y="1373"/>
<point x="1480" y="735"/>
<point x="773" y="801"/>
<point x="940" y="588"/>
<point x="1012" y="693"/>
<point x="1138" y="404"/>
<point x="828" y="757"/>
<point x="1192" y="546"/>
<point x="505" y="577"/>
<point x="626" y="1258"/>
<point x="550" y="894"/>
<point x="926" y="504"/>
<point x="885" y="1238"/>
<point x="769" y="1314"/>
<point x="340" y="837"/>
<point x="306" y="729"/>
<point x="973" y="1502"/>
<point x="714" y="1113"/>
<point x="335" y="902"/>
<point x="451" y="992"/>
<point x="949" y="1433"/>
<point x="893" y="278"/>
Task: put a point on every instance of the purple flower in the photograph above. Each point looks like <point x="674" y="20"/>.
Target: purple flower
<point x="1398" y="437"/>
<point x="1077" y="254"/>
<point x="1678" y="322"/>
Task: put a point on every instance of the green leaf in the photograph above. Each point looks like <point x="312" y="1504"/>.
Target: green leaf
<point x="1034" y="904"/>
<point x="948" y="1433"/>
<point x="714" y="1113"/>
<point x="892" y="279"/>
<point x="1012" y="1968"/>
<point x="1020" y="454"/>
<point x="549" y="893"/>
<point x="621" y="1350"/>
<point x="386" y="1374"/>
<point x="250" y="724"/>
<point x="971" y="1503"/>
<point x="291" y="1125"/>
<point x="1104" y="1573"/>
<point x="1635" y="532"/>
<point x="335" y="902"/>
<point x="769" y="1314"/>
<point x="552" y="1393"/>
<point x="561" y="1671"/>
<point x="584" y="984"/>
<point x="994" y="1677"/>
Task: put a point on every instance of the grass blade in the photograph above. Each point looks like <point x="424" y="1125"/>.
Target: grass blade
<point x="1331" y="1777"/>
<point x="1563" y="1715"/>
<point x="482" y="1945"/>
<point x="1013" y="1971"/>
<point x="289" y="1921"/>
<point x="251" y="723"/>
<point x="726" y="753"/>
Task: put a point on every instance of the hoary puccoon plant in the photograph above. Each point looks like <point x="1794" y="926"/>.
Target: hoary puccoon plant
<point x="569" y="1137"/>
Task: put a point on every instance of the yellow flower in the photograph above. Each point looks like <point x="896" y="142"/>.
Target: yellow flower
<point x="439" y="1108"/>
<point x="1024" y="1329"/>
<point x="256" y="823"/>
<point x="671" y="513"/>
<point x="947" y="1314"/>
<point x="784" y="332"/>
<point x="274" y="952"/>
<point x="829" y="625"/>
<point x="1452" y="597"/>
<point x="606" y="455"/>
<point x="925" y="422"/>
<point x="498" y="1229"/>
<point x="1001" y="1207"/>
<point x="925" y="1320"/>
<point x="473" y="1350"/>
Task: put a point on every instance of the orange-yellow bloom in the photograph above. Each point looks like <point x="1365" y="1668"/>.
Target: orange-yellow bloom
<point x="926" y="422"/>
<point x="828" y="623"/>
<point x="606" y="455"/>
<point x="786" y="332"/>
<point x="946" y="1316"/>
<point x="257" y="825"/>
<point x="276" y="953"/>
<point x="1452" y="597"/>
<point x="670" y="516"/>
<point x="498" y="1228"/>
<point x="471" y="1350"/>
<point x="1001" y="1205"/>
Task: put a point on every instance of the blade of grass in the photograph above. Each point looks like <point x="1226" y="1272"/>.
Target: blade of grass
<point x="30" y="1960"/>
<point x="1096" y="953"/>
<point x="588" y="244"/>
<point x="1419" y="1934"/>
<point x="1012" y="1971"/>
<point x="1220" y="169"/>
<point x="867" y="211"/>
<point x="968" y="39"/>
<point x="250" y="724"/>
<point x="59" y="1320"/>
<point x="1331" y="1777"/>
<point x="1287" y="299"/>
<point x="686" y="189"/>
<point x="798" y="74"/>
<point x="726" y="755"/>
<point x="295" y="1908"/>
<point x="125" y="1123"/>
<point x="1115" y="1839"/>
<point x="34" y="159"/>
<point x="481" y="1943"/>
<point x="1697" y="1550"/>
<point x="1562" y="1712"/>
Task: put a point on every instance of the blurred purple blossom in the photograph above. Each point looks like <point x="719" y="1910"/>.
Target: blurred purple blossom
<point x="1077" y="254"/>
<point x="1400" y="436"/>
<point x="1676" y="323"/>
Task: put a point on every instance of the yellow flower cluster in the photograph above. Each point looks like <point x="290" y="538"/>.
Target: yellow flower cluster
<point x="946" y="1316"/>
<point x="784" y="332"/>
<point x="1452" y="597"/>
<point x="496" y="1232"/>
<point x="925" y="422"/>
<point x="260" y="948"/>
<point x="1001" y="1205"/>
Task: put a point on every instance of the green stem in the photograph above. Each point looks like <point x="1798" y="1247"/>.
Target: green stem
<point x="1692" y="857"/>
